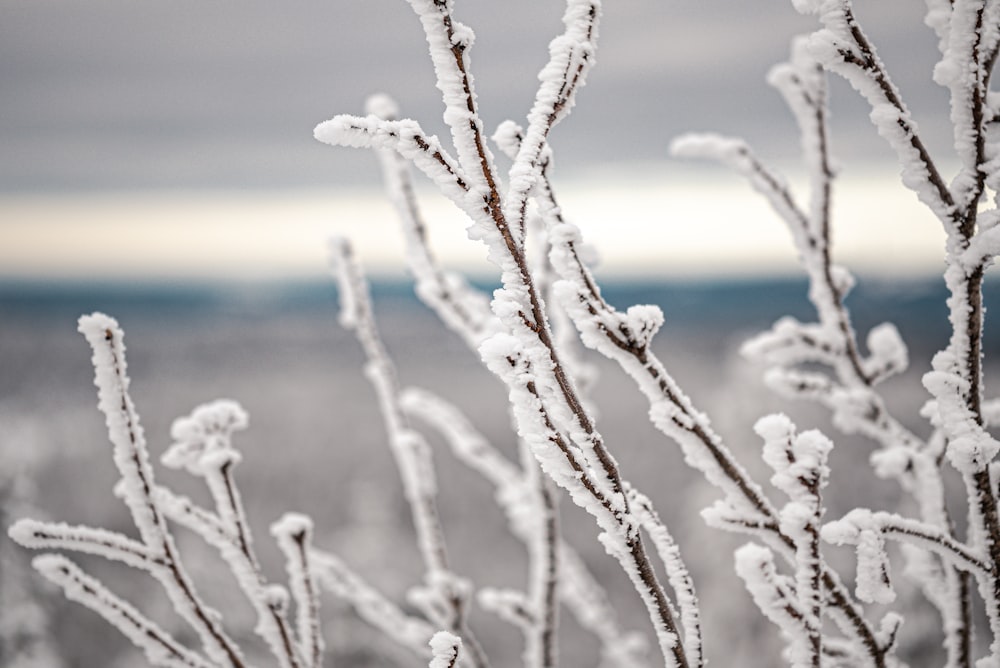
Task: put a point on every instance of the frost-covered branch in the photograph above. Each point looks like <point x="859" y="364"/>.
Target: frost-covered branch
<point x="541" y="649"/>
<point x="203" y="446"/>
<point x="677" y="574"/>
<point x="549" y="411"/>
<point x="776" y="597"/>
<point x="445" y="596"/>
<point x="577" y="588"/>
<point x="293" y="533"/>
<point x="108" y="544"/>
<point x="521" y="338"/>
<point x="410" y="632"/>
<point x="968" y="32"/>
<point x="620" y="538"/>
<point x="833" y="341"/>
<point x="158" y="646"/>
<point x="850" y="394"/>
<point x="137" y="490"/>
<point x="405" y="137"/>
<point x="848" y="530"/>
<point x="571" y="55"/>
<point x="625" y="338"/>
<point x="185" y="512"/>
<point x="800" y="471"/>
<point x="460" y="306"/>
<point x="842" y="47"/>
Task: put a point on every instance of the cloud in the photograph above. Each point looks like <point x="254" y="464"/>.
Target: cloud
<point x="110" y="94"/>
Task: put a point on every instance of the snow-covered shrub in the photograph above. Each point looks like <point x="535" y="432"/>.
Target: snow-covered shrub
<point x="528" y="336"/>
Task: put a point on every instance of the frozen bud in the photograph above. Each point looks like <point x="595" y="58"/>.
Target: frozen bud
<point x="891" y="463"/>
<point x="774" y="428"/>
<point x="203" y="438"/>
<point x="643" y="321"/>
<point x="383" y="106"/>
<point x="807" y="6"/>
<point x="462" y="35"/>
<point x="501" y="353"/>
<point x="888" y="352"/>
<point x="888" y="630"/>
<point x="508" y="138"/>
<point x="843" y="280"/>
<point x="292" y="525"/>
<point x="276" y="597"/>
<point x="708" y="145"/>
<point x="444" y="649"/>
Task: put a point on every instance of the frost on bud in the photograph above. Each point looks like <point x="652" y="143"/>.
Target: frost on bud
<point x="807" y="6"/>
<point x="444" y="650"/>
<point x="888" y="630"/>
<point x="798" y="461"/>
<point x="643" y="321"/>
<point x="723" y="149"/>
<point x="843" y="280"/>
<point x="203" y="439"/>
<point x="774" y="429"/>
<point x="723" y="514"/>
<point x="859" y="528"/>
<point x="891" y="463"/>
<point x="508" y="138"/>
<point x="383" y="106"/>
<point x="276" y="598"/>
<point x="502" y="354"/>
<point x="889" y="355"/>
<point x="292" y="526"/>
<point x="462" y="35"/>
<point x="348" y="130"/>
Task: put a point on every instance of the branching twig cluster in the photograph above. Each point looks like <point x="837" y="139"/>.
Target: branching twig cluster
<point x="528" y="336"/>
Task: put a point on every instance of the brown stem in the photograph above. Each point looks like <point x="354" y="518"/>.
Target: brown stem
<point x="547" y="561"/>
<point x="167" y="548"/>
<point x="720" y="454"/>
<point x="309" y="608"/>
<point x="244" y="544"/>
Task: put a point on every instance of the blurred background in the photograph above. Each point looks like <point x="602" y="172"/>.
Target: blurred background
<point x="157" y="163"/>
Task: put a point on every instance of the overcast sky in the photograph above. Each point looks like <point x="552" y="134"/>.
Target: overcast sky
<point x="173" y="139"/>
<point x="124" y="94"/>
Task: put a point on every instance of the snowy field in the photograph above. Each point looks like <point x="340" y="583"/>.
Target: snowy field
<point x="316" y="444"/>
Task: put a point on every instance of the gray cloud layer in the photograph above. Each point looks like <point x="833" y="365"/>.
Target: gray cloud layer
<point x="117" y="94"/>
